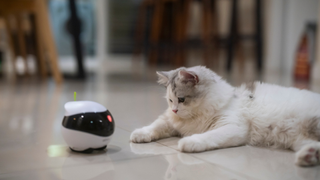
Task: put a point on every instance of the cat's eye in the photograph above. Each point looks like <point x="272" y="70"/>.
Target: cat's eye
<point x="170" y="100"/>
<point x="181" y="100"/>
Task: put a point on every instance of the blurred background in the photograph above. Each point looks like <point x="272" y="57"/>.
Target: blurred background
<point x="108" y="51"/>
<point x="272" y="40"/>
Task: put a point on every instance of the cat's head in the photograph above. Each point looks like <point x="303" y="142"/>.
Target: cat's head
<point x="195" y="91"/>
<point x="183" y="92"/>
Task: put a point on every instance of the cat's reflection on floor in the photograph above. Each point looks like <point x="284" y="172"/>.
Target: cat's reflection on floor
<point x="181" y="165"/>
<point x="244" y="161"/>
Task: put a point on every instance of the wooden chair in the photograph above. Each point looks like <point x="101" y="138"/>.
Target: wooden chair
<point x="234" y="36"/>
<point x="13" y="9"/>
<point x="180" y="40"/>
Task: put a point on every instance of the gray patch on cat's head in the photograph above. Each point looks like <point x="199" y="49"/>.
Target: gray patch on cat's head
<point x="173" y="80"/>
<point x="166" y="77"/>
<point x="183" y="89"/>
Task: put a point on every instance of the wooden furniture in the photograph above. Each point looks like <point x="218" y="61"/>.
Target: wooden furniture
<point x="234" y="37"/>
<point x="14" y="9"/>
<point x="178" y="42"/>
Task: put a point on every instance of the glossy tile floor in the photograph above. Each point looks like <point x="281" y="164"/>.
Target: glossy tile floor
<point x="32" y="147"/>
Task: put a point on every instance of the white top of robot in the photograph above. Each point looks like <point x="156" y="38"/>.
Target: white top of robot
<point x="78" y="107"/>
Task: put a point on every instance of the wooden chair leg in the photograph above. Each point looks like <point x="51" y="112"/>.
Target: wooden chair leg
<point x="206" y="34"/>
<point x="167" y="34"/>
<point x="232" y="34"/>
<point x="10" y="44"/>
<point x="39" y="51"/>
<point x="140" y="28"/>
<point x="184" y="27"/>
<point x="259" y="34"/>
<point x="215" y="32"/>
<point x="42" y="20"/>
<point x="139" y="34"/>
<point x="177" y="34"/>
<point x="22" y="42"/>
<point x="155" y="31"/>
<point x="181" y="17"/>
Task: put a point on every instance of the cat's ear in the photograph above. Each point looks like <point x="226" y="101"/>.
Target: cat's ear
<point x="188" y="76"/>
<point x="163" y="77"/>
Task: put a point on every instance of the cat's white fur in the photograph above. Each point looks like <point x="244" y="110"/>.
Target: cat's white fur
<point x="225" y="116"/>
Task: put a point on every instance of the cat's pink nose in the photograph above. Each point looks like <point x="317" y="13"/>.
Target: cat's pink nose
<point x="175" y="110"/>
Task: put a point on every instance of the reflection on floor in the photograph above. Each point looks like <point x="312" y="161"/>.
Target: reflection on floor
<point x="32" y="147"/>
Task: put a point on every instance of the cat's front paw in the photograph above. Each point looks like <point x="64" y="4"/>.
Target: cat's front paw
<point x="309" y="155"/>
<point x="192" y="144"/>
<point x="140" y="136"/>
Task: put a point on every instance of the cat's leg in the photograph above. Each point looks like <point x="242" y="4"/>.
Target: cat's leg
<point x="222" y="137"/>
<point x="159" y="129"/>
<point x="307" y="152"/>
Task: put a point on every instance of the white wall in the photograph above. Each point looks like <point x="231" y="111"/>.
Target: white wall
<point x="316" y="69"/>
<point x="288" y="19"/>
<point x="275" y="46"/>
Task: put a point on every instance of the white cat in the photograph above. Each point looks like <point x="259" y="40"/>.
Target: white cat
<point x="210" y="114"/>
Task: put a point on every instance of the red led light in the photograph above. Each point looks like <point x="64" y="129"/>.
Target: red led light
<point x="109" y="118"/>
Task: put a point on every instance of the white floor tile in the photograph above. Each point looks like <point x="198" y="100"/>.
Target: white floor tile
<point x="169" y="167"/>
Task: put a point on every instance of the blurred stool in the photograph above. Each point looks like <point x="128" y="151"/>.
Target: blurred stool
<point x="15" y="14"/>
<point x="234" y="36"/>
<point x="178" y="40"/>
